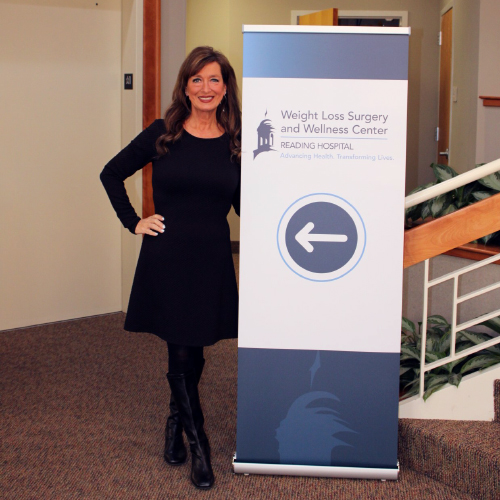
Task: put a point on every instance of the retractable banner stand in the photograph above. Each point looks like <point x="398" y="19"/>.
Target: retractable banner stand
<point x="323" y="169"/>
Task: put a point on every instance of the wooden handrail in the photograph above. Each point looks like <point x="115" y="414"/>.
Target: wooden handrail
<point x="490" y="100"/>
<point x="475" y="251"/>
<point x="458" y="228"/>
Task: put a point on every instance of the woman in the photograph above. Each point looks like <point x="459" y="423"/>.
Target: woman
<point x="184" y="288"/>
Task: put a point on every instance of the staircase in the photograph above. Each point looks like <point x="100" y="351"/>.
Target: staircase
<point x="461" y="454"/>
<point x="464" y="455"/>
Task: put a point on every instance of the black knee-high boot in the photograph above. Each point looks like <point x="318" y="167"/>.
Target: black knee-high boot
<point x="185" y="390"/>
<point x="175" y="452"/>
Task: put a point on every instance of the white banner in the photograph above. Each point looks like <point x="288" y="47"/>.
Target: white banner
<point x="337" y="147"/>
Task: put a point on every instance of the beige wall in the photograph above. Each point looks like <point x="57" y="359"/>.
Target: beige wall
<point x="441" y="296"/>
<point x="488" y="118"/>
<point x="173" y="45"/>
<point x="219" y="23"/>
<point x="60" y="122"/>
<point x="131" y="125"/>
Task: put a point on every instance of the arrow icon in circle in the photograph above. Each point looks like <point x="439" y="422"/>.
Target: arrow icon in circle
<point x="304" y="237"/>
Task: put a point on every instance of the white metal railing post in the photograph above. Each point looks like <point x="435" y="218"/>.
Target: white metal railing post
<point x="453" y="337"/>
<point x="455" y="328"/>
<point x="423" y="338"/>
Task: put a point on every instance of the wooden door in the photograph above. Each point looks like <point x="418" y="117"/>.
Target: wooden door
<point x="445" y="88"/>
<point x="328" y="17"/>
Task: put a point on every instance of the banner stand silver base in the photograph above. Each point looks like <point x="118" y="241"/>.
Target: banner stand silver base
<point x="315" y="471"/>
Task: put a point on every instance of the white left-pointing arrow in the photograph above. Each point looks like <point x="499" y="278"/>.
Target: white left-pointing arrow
<point x="304" y="237"/>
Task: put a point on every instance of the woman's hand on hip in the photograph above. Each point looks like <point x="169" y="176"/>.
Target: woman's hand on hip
<point x="151" y="225"/>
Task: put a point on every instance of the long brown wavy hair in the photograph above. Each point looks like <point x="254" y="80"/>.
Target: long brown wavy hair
<point x="228" y="112"/>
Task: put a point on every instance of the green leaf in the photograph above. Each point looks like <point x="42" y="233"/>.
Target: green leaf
<point x="429" y="392"/>
<point x="437" y="319"/>
<point x="435" y="333"/>
<point x="479" y="362"/>
<point x="443" y="172"/>
<point x="462" y="345"/>
<point x="412" y="352"/>
<point x="430" y="357"/>
<point x="416" y="212"/>
<point x="413" y="383"/>
<point x="492" y="181"/>
<point x="468" y="191"/>
<point x="404" y="369"/>
<point x="411" y="392"/>
<point x="481" y="195"/>
<point x="495" y="349"/>
<point x="449" y="366"/>
<point x="493" y="323"/>
<point x="434" y="383"/>
<point x="496" y="238"/>
<point x="404" y="357"/>
<point x="484" y="240"/>
<point x="455" y="379"/>
<point x="439" y="204"/>
<point x="413" y="213"/>
<point x="475" y="337"/>
<point x="444" y="343"/>
<point x="435" y="380"/>
<point x="426" y="210"/>
<point x="450" y="209"/>
<point x="430" y="345"/>
<point x="407" y="325"/>
<point x="434" y="329"/>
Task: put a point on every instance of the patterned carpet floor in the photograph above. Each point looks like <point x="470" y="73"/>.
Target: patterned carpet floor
<point x="83" y="407"/>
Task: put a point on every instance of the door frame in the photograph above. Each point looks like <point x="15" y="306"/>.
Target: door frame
<point x="151" y="105"/>
<point x="367" y="14"/>
<point x="443" y="11"/>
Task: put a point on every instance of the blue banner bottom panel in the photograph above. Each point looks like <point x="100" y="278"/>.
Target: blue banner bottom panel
<point x="322" y="408"/>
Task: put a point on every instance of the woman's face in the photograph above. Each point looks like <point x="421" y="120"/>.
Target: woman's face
<point x="206" y="89"/>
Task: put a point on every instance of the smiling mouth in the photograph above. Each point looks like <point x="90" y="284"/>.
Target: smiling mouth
<point x="206" y="99"/>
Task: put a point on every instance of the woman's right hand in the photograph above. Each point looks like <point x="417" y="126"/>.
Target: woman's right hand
<point x="150" y="225"/>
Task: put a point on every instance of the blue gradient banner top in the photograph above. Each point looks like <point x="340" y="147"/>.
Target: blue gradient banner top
<point x="364" y="56"/>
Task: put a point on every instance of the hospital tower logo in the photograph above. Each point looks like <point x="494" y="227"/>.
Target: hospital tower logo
<point x="265" y="137"/>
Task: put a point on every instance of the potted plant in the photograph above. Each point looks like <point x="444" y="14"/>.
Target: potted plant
<point x="438" y="347"/>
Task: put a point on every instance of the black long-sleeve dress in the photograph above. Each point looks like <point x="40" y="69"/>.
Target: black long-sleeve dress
<point x="184" y="288"/>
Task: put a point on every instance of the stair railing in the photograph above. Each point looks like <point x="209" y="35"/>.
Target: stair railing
<point x="453" y="183"/>
<point x="441" y="235"/>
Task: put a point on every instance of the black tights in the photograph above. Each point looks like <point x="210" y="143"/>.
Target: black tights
<point x="184" y="358"/>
